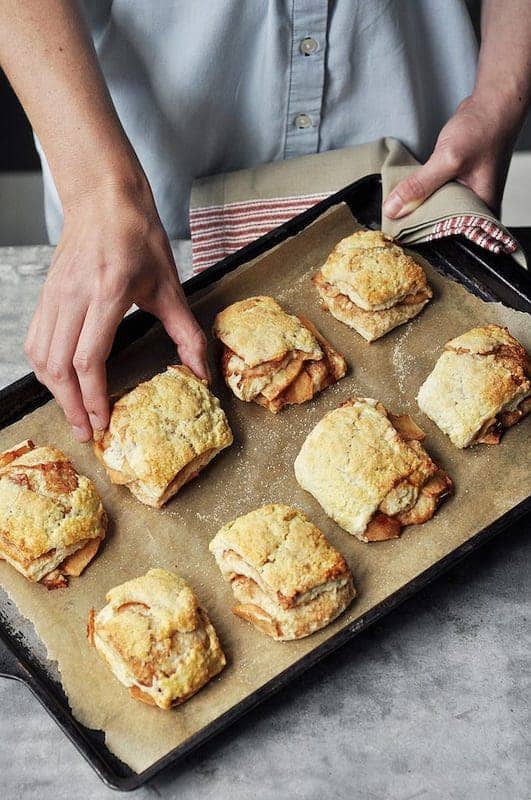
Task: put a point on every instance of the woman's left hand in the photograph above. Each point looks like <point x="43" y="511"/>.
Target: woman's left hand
<point x="474" y="148"/>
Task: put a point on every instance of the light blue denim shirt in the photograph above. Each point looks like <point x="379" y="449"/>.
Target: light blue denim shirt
<point x="208" y="86"/>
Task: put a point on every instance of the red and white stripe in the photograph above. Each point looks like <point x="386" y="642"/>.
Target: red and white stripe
<point x="218" y="231"/>
<point x="480" y="230"/>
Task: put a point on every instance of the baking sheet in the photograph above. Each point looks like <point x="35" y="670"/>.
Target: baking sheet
<point x="257" y="469"/>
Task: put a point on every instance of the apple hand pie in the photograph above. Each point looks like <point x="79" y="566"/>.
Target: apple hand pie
<point x="287" y="578"/>
<point x="157" y="639"/>
<point x="369" y="472"/>
<point x="162" y="434"/>
<point x="273" y="358"/>
<point x="51" y="518"/>
<point x="479" y="386"/>
<point x="371" y="284"/>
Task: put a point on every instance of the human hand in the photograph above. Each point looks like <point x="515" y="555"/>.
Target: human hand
<point x="113" y="252"/>
<point x="474" y="148"/>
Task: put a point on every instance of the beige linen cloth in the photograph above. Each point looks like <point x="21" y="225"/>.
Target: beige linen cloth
<point x="231" y="210"/>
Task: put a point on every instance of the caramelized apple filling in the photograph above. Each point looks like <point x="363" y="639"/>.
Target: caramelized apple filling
<point x="291" y="380"/>
<point x="425" y="500"/>
<point x="492" y="430"/>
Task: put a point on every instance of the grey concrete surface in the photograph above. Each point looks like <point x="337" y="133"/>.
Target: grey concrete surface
<point x="432" y="703"/>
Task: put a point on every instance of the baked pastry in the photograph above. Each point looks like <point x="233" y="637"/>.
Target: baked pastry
<point x="371" y="284"/>
<point x="287" y="578"/>
<point x="479" y="386"/>
<point x="273" y="358"/>
<point x="368" y="470"/>
<point x="162" y="434"/>
<point x="157" y="639"/>
<point x="52" y="521"/>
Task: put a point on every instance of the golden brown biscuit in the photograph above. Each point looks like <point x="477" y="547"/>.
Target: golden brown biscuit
<point x="273" y="358"/>
<point x="479" y="386"/>
<point x="157" y="639"/>
<point x="162" y="434"/>
<point x="371" y="284"/>
<point x="369" y="472"/>
<point x="287" y="578"/>
<point x="51" y="518"/>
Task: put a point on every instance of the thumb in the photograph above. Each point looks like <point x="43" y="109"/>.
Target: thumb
<point x="181" y="326"/>
<point x="411" y="192"/>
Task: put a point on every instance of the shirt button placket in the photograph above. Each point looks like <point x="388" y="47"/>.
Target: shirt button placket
<point x="309" y="26"/>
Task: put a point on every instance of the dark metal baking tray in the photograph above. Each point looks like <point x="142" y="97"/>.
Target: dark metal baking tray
<point x="22" y="654"/>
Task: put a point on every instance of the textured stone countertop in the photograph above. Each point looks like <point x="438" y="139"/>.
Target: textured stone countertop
<point x="429" y="704"/>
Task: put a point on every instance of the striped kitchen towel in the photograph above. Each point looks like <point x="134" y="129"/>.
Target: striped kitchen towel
<point x="217" y="231"/>
<point x="484" y="232"/>
<point x="231" y="210"/>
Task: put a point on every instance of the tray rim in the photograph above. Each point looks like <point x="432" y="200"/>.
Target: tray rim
<point x="131" y="329"/>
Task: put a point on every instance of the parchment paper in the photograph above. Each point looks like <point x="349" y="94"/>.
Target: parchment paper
<point x="257" y="469"/>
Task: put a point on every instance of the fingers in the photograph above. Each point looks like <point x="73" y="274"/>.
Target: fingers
<point x="31" y="335"/>
<point x="411" y="192"/>
<point x="93" y="347"/>
<point x="181" y="325"/>
<point x="50" y="344"/>
<point x="68" y="350"/>
<point x="60" y="376"/>
<point x="40" y="335"/>
<point x="73" y="329"/>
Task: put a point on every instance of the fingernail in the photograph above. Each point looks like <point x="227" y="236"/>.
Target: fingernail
<point x="206" y="374"/>
<point x="392" y="206"/>
<point x="81" y="434"/>
<point x="200" y="371"/>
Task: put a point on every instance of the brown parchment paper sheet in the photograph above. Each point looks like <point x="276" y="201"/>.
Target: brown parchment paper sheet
<point x="257" y="469"/>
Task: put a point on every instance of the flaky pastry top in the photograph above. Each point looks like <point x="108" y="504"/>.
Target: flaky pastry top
<point x="480" y="373"/>
<point x="45" y="504"/>
<point x="258" y="330"/>
<point x="372" y="271"/>
<point x="162" y="425"/>
<point x="354" y="459"/>
<point x="155" y="625"/>
<point x="289" y="553"/>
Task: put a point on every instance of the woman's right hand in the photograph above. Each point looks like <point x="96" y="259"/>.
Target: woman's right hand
<point x="113" y="252"/>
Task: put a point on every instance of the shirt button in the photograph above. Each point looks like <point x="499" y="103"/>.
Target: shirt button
<point x="302" y="121"/>
<point x="308" y="46"/>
